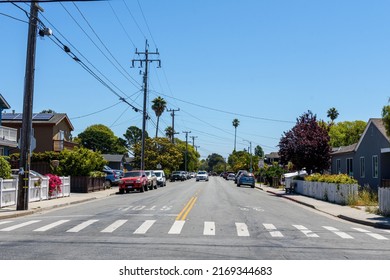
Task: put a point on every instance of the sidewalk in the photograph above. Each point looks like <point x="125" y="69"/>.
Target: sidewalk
<point x="38" y="206"/>
<point x="343" y="212"/>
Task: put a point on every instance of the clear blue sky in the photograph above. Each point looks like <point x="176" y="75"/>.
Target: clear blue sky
<point x="264" y="62"/>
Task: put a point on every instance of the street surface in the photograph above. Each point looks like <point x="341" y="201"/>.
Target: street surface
<point x="190" y="220"/>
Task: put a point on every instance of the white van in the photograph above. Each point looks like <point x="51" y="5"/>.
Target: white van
<point x="161" y="179"/>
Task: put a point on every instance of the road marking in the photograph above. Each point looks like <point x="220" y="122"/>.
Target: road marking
<point x="176" y="227"/>
<point x="338" y="232"/>
<point x="209" y="228"/>
<point x="187" y="208"/>
<point x="52" y="225"/>
<point x="272" y="230"/>
<point x="305" y="231"/>
<point x="82" y="226"/>
<point x="5" y="222"/>
<point x="242" y="229"/>
<point x="20" y="225"/>
<point x="374" y="235"/>
<point x="144" y="227"/>
<point x="114" y="226"/>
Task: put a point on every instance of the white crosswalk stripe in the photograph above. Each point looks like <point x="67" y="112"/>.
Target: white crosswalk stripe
<point x="82" y="226"/>
<point x="272" y="230"/>
<point x="52" y="225"/>
<point x="242" y="229"/>
<point x="114" y="226"/>
<point x="369" y="233"/>
<point x="20" y="225"/>
<point x="176" y="227"/>
<point x="209" y="228"/>
<point x="305" y="231"/>
<point x="144" y="227"/>
<point x="338" y="232"/>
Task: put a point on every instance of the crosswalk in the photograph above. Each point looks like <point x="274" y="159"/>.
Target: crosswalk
<point x="241" y="230"/>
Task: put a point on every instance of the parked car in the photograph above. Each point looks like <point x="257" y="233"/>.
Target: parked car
<point x="178" y="176"/>
<point x="161" y="179"/>
<point x="152" y="179"/>
<point x="133" y="180"/>
<point x="202" y="175"/>
<point x="231" y="176"/>
<point x="112" y="177"/>
<point x="238" y="175"/>
<point x="246" y="178"/>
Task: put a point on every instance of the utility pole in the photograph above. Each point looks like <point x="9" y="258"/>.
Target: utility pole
<point x="25" y="135"/>
<point x="250" y="152"/>
<point x="173" y="124"/>
<point x="186" y="155"/>
<point x="193" y="140"/>
<point x="145" y="60"/>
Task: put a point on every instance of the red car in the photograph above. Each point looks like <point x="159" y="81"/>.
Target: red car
<point x="133" y="180"/>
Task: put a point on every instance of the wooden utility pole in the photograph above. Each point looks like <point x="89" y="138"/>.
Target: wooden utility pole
<point x="173" y="124"/>
<point x="186" y="155"/>
<point x="145" y="60"/>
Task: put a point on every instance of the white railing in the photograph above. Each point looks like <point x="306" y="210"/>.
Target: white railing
<point x="8" y="192"/>
<point x="384" y="200"/>
<point x="38" y="190"/>
<point x="8" y="133"/>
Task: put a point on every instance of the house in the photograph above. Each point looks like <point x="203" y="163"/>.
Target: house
<point x="272" y="157"/>
<point x="368" y="161"/>
<point x="52" y="131"/>
<point x="8" y="136"/>
<point x="114" y="161"/>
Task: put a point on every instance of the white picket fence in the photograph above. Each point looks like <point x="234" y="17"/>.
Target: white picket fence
<point x="384" y="200"/>
<point x="38" y="190"/>
<point x="336" y="193"/>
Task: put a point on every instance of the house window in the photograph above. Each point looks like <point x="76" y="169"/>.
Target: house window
<point x="350" y="166"/>
<point x="362" y="167"/>
<point x="2" y="153"/>
<point x="375" y="166"/>
<point x="338" y="166"/>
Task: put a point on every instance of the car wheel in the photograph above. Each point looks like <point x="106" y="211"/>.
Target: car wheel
<point x="155" y="186"/>
<point x="107" y="184"/>
<point x="121" y="191"/>
<point x="127" y="191"/>
<point x="238" y="185"/>
<point x="142" y="189"/>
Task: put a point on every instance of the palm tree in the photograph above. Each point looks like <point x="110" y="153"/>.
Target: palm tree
<point x="236" y="123"/>
<point x="159" y="105"/>
<point x="169" y="132"/>
<point x="332" y="114"/>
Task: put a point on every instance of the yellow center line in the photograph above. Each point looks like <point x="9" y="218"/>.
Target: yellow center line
<point x="187" y="208"/>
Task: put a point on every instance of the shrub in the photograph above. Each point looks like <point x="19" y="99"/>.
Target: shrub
<point x="335" y="179"/>
<point x="54" y="183"/>
<point x="5" y="168"/>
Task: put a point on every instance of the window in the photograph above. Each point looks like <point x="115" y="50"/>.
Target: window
<point x="375" y="166"/>
<point x="362" y="167"/>
<point x="350" y="166"/>
<point x="338" y="166"/>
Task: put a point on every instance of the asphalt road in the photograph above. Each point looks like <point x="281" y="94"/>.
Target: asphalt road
<point x="190" y="220"/>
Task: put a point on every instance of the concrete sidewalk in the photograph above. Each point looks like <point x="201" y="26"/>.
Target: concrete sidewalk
<point x="343" y="212"/>
<point x="39" y="206"/>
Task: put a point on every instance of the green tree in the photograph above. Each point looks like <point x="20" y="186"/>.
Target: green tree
<point x="241" y="160"/>
<point x="386" y="118"/>
<point x="99" y="137"/>
<point x="235" y="123"/>
<point x="332" y="113"/>
<point x="259" y="151"/>
<point x="159" y="151"/>
<point x="192" y="156"/>
<point x="214" y="162"/>
<point x="159" y="105"/>
<point x="346" y="133"/>
<point x="169" y="133"/>
<point x="5" y="168"/>
<point x="133" y="136"/>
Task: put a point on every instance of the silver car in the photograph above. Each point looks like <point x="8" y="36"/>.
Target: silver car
<point x="202" y="175"/>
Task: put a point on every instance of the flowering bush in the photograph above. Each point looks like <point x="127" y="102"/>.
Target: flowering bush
<point x="54" y="183"/>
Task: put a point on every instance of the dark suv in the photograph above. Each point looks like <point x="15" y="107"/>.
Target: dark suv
<point x="178" y="176"/>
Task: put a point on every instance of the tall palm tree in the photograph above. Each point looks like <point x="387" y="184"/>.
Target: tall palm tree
<point x="169" y="132"/>
<point x="236" y="123"/>
<point x="159" y="106"/>
<point x="332" y="114"/>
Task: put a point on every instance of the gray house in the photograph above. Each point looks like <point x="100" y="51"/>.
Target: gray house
<point x="368" y="161"/>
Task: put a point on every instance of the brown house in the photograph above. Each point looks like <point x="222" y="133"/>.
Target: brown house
<point x="52" y="131"/>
